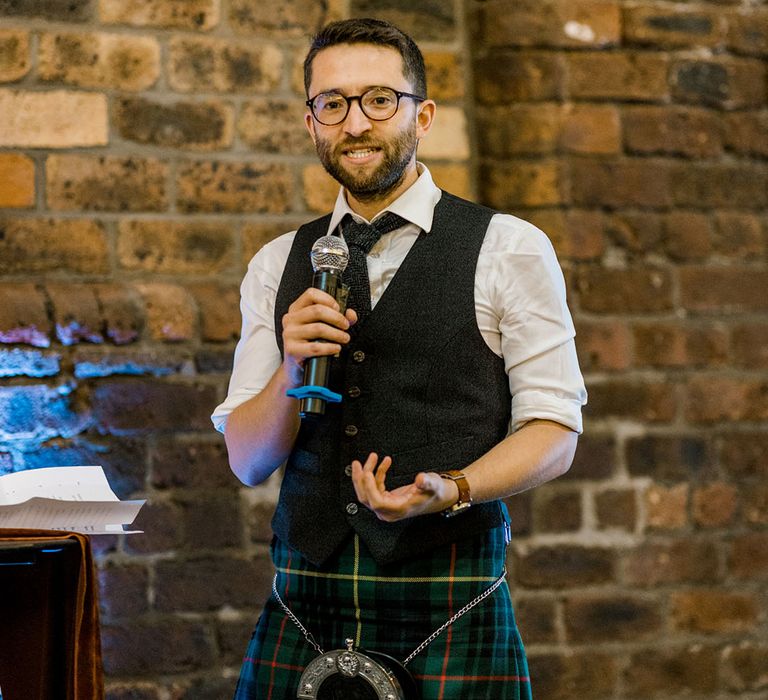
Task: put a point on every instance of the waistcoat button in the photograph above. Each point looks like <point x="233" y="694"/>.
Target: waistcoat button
<point x="358" y="355"/>
<point x="354" y="391"/>
<point x="352" y="508"/>
<point x="348" y="470"/>
<point x="350" y="430"/>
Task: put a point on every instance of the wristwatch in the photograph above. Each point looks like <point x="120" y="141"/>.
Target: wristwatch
<point x="465" y="498"/>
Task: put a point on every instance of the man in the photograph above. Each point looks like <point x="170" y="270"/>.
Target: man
<point x="460" y="385"/>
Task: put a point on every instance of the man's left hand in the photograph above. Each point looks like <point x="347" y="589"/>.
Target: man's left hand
<point x="428" y="493"/>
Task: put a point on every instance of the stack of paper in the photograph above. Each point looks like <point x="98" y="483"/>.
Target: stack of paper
<point x="76" y="499"/>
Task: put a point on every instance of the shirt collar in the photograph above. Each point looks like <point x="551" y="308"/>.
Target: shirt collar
<point x="416" y="204"/>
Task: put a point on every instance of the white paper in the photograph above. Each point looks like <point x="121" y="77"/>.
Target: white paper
<point x="77" y="499"/>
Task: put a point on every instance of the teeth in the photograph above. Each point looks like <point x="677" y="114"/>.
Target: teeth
<point x="360" y="154"/>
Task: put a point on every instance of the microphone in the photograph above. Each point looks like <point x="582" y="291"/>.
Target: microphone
<point x="329" y="256"/>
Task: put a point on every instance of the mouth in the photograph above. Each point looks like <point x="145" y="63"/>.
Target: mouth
<point x="360" y="154"/>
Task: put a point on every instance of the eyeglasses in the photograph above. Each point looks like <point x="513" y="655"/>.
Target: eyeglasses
<point x="378" y="103"/>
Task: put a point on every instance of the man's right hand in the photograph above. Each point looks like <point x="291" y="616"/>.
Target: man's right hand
<point x="313" y="326"/>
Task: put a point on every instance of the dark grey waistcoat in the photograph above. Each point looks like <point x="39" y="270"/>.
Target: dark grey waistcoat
<point x="419" y="384"/>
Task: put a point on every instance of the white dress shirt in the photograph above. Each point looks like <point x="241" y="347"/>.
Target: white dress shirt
<point x="519" y="301"/>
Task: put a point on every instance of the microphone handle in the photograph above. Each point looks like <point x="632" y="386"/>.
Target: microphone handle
<point x="317" y="369"/>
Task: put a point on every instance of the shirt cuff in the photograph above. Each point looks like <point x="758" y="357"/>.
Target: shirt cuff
<point x="531" y="404"/>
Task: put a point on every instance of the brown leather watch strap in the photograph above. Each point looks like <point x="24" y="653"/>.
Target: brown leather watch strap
<point x="465" y="497"/>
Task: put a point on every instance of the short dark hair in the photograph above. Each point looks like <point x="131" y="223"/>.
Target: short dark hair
<point x="370" y="31"/>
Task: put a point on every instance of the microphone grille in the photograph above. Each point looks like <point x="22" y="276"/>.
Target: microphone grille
<point x="330" y="253"/>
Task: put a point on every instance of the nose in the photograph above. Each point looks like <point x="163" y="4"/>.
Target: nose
<point x="356" y="122"/>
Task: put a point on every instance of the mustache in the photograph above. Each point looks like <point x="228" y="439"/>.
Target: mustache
<point x="356" y="143"/>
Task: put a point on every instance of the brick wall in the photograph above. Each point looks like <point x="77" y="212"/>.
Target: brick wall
<point x="636" y="135"/>
<point x="148" y="148"/>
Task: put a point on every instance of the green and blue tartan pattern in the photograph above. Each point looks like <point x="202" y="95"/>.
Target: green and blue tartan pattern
<point x="392" y="609"/>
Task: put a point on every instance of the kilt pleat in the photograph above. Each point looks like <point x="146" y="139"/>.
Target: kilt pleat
<point x="392" y="609"/>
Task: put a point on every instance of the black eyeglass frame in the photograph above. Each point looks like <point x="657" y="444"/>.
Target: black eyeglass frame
<point x="348" y="99"/>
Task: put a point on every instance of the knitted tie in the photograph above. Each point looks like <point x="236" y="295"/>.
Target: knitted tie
<point x="361" y="238"/>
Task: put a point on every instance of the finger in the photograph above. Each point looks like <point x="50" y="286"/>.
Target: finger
<point x="428" y="482"/>
<point x="311" y="296"/>
<point x="381" y="473"/>
<point x="358" y="484"/>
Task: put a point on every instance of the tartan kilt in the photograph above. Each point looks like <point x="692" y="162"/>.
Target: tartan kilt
<point x="392" y="609"/>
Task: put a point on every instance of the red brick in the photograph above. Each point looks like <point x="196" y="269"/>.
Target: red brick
<point x="219" y="307"/>
<point x="234" y="187"/>
<point x="175" y="247"/>
<point x="509" y="77"/>
<point x="719" y="185"/>
<point x="670" y="27"/>
<point x="714" y="505"/>
<point x="661" y="563"/>
<point x="160" y="522"/>
<point x="671" y="458"/>
<point x="667" y="508"/>
<point x="688" y="235"/>
<point x="713" y="611"/>
<point x="123" y="591"/>
<point x="33" y="246"/>
<point x="514" y="184"/>
<point x="195" y="464"/>
<point x="595" y="459"/>
<point x="17" y="181"/>
<point x="565" y="676"/>
<point x="76" y="313"/>
<point x="610" y="619"/>
<point x="748" y="555"/>
<point x="564" y="566"/>
<point x="590" y="129"/>
<point x="620" y="183"/>
<point x="666" y="672"/>
<point x="123" y="311"/>
<point x="623" y="75"/>
<point x="744" y="455"/>
<point x="730" y="83"/>
<point x="723" y="289"/>
<point x="536" y="620"/>
<point x="635" y="290"/>
<point x="756" y="504"/>
<point x="739" y="235"/>
<point x="576" y="234"/>
<point x="746" y="133"/>
<point x="105" y="183"/>
<point x="666" y="344"/>
<point x="633" y="400"/>
<point x="717" y="399"/>
<point x="512" y="130"/>
<point x="682" y="131"/>
<point x="616" y="510"/>
<point x="23" y="315"/>
<point x="749" y="345"/>
<point x="636" y="232"/>
<point x="14" y="54"/>
<point x="744" y="666"/>
<point x="38" y="413"/>
<point x="557" y="511"/>
<point x="171" y="312"/>
<point x="604" y="345"/>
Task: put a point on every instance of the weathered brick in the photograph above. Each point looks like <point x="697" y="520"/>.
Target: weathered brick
<point x="744" y="455"/>
<point x="204" y="688"/>
<point x="23" y="315"/>
<point x="509" y="77"/>
<point x="728" y="83"/>
<point x="721" y="185"/>
<point x="18" y="362"/>
<point x="160" y="522"/>
<point x="232" y="638"/>
<point x="222" y="65"/>
<point x="195" y="464"/>
<point x="671" y="458"/>
<point x="160" y="646"/>
<point x="670" y="27"/>
<point x="123" y="312"/>
<point x="560" y="23"/>
<point x="123" y="591"/>
<point x="175" y="247"/>
<point x="723" y="289"/>
<point x="46" y="245"/>
<point x="256" y="234"/>
<point x="99" y="60"/>
<point x="611" y="618"/>
<point x="592" y="129"/>
<point x="623" y="75"/>
<point x="512" y="184"/>
<point x="131" y="691"/>
<point x="565" y="676"/>
<point x="513" y="130"/>
<point x="746" y="133"/>
<point x="748" y="555"/>
<point x="651" y="401"/>
<point x="749" y="345"/>
<point x="76" y="313"/>
<point x="635" y="290"/>
<point x="621" y="183"/>
<point x="452" y="177"/>
<point x="714" y="505"/>
<point x="122" y="406"/>
<point x="223" y="186"/>
<point x="274" y="126"/>
<point x="756" y="504"/>
<point x="667" y="508"/>
<point x="576" y="234"/>
<point x="189" y="14"/>
<point x="106" y="183"/>
<point x="17" y="181"/>
<point x="616" y="510"/>
<point x="712" y="611"/>
<point x="14" y="54"/>
<point x="55" y="119"/>
<point x="679" y="131"/>
<point x="219" y="307"/>
<point x="665" y="672"/>
<point x="717" y="399"/>
<point x="536" y="620"/>
<point x="557" y="511"/>
<point x="200" y="126"/>
<point x="291" y="18"/>
<point x="520" y="508"/>
<point x="688" y="235"/>
<point x="671" y="562"/>
<point x="603" y="345"/>
<point x="564" y="566"/>
<point x="430" y="20"/>
<point x="259" y="521"/>
<point x="445" y="75"/>
<point x="171" y="311"/>
<point x="635" y="233"/>
<point x="448" y="138"/>
<point x="320" y="189"/>
<point x="739" y="235"/>
<point x="38" y="412"/>
<point x="667" y="344"/>
<point x="71" y="11"/>
<point x="211" y="520"/>
<point x="595" y="459"/>
<point x="744" y="666"/>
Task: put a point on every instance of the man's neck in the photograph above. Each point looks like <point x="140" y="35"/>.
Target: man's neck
<point x="370" y="207"/>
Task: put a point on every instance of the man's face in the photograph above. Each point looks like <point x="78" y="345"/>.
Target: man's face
<point x="371" y="159"/>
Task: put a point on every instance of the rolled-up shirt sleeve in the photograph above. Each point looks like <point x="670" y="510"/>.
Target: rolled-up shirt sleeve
<point x="257" y="355"/>
<point x="523" y="314"/>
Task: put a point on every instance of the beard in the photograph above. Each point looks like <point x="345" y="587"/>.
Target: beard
<point x="387" y="176"/>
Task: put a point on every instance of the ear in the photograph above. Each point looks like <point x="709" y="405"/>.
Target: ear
<point x="425" y="117"/>
<point x="309" y="122"/>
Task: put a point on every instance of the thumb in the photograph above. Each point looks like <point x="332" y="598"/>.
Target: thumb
<point x="428" y="481"/>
